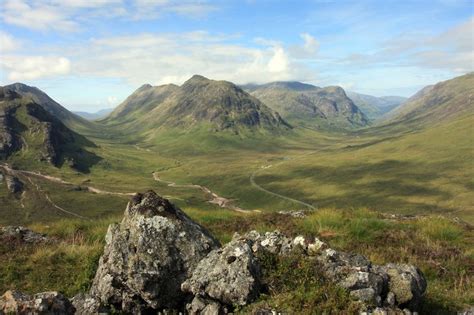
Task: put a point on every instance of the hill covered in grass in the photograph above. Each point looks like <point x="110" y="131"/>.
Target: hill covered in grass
<point x="31" y="134"/>
<point x="327" y="108"/>
<point x="68" y="118"/>
<point x="437" y="103"/>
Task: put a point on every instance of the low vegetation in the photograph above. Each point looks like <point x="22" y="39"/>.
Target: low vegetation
<point x="443" y="250"/>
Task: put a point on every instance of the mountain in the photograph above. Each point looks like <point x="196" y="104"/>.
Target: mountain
<point x="97" y="115"/>
<point x="69" y="119"/>
<point x="444" y="101"/>
<point x="198" y="103"/>
<point x="30" y="133"/>
<point x="142" y="101"/>
<point x="300" y="102"/>
<point x="374" y="107"/>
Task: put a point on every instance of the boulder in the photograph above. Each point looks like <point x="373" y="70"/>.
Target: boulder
<point x="355" y="273"/>
<point x="22" y="234"/>
<point x="406" y="285"/>
<point x="148" y="255"/>
<point x="86" y="304"/>
<point x="14" y="185"/>
<point x="395" y="286"/>
<point x="46" y="303"/>
<point x="273" y="242"/>
<point x="229" y="275"/>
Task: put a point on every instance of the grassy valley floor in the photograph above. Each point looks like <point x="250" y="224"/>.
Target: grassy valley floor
<point x="351" y="183"/>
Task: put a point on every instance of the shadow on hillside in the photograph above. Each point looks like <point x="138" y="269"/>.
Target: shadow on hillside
<point x="384" y="185"/>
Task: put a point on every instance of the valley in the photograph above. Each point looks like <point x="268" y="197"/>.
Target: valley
<point x="232" y="164"/>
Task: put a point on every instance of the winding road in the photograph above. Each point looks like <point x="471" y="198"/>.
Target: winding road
<point x="257" y="186"/>
<point x="215" y="198"/>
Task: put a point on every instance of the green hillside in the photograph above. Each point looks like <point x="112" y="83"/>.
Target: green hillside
<point x="438" y="103"/>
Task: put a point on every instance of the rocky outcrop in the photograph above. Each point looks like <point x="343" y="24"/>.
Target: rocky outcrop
<point x="21" y="234"/>
<point x="46" y="303"/>
<point x="158" y="260"/>
<point x="14" y="184"/>
<point x="9" y="141"/>
<point x="148" y="255"/>
<point x="229" y="275"/>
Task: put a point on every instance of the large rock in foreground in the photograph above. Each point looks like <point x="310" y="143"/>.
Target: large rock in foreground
<point x="148" y="255"/>
<point x="229" y="275"/>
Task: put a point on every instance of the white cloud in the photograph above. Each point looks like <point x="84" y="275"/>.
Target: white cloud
<point x="279" y="62"/>
<point x="311" y="45"/>
<point x="21" y="68"/>
<point x="309" y="49"/>
<point x="7" y="43"/>
<point x="70" y="15"/>
<point x="173" y="58"/>
<point x="452" y="50"/>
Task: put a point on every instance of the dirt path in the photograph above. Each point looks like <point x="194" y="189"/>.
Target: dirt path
<point x="28" y="175"/>
<point x="58" y="180"/>
<point x="214" y="198"/>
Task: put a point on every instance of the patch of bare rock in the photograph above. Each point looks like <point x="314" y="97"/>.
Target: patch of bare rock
<point x="159" y="260"/>
<point x="21" y="234"/>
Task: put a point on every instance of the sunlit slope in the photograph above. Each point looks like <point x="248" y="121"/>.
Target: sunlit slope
<point x="427" y="171"/>
<point x="438" y="103"/>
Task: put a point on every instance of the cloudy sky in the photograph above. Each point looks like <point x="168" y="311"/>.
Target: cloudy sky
<point x="91" y="54"/>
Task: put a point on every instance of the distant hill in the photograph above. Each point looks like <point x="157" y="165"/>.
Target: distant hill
<point x="70" y="119"/>
<point x="375" y="107"/>
<point x="198" y="103"/>
<point x="326" y="107"/>
<point x="30" y="133"/>
<point x="437" y="103"/>
<point x="97" y="115"/>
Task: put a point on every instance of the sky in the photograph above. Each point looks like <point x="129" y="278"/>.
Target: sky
<point x="91" y="54"/>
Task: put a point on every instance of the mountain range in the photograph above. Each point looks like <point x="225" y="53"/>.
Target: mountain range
<point x="375" y="107"/>
<point x="208" y="108"/>
<point x="95" y="115"/>
<point x="299" y="102"/>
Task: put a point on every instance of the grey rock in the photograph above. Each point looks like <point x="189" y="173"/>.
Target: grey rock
<point x="229" y="275"/>
<point x="274" y="242"/>
<point x="407" y="284"/>
<point x="86" y="304"/>
<point x="23" y="235"/>
<point x="148" y="255"/>
<point x="45" y="303"/>
<point x="14" y="185"/>
<point x="468" y="311"/>
<point x="298" y="214"/>
<point x="201" y="306"/>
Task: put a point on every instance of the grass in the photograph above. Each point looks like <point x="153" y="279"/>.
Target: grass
<point x="440" y="247"/>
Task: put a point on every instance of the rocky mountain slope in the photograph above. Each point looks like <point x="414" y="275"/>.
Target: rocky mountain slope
<point x="375" y="107"/>
<point x="295" y="101"/>
<point x="437" y="103"/>
<point x="28" y="131"/>
<point x="68" y="118"/>
<point x="199" y="102"/>
<point x="159" y="260"/>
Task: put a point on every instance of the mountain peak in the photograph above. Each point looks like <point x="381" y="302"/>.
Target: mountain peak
<point x="197" y="78"/>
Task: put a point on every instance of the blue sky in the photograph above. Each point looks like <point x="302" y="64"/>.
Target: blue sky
<point x="91" y="54"/>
